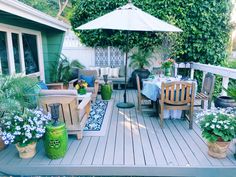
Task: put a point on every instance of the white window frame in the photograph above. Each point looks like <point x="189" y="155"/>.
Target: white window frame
<point x="9" y="29"/>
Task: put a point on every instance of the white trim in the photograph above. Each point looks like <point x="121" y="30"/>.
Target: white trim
<point x="21" y="51"/>
<point x="10" y="54"/>
<point x="11" y="62"/>
<point x="27" y="12"/>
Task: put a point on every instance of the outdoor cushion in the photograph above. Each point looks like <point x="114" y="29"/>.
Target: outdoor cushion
<point x="114" y="72"/>
<point x="42" y="85"/>
<point x="88" y="79"/>
<point x="95" y="68"/>
<point x="105" y="71"/>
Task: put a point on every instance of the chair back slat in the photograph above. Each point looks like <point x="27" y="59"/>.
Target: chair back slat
<point x="208" y="84"/>
<point x="177" y="93"/>
<point x="69" y="104"/>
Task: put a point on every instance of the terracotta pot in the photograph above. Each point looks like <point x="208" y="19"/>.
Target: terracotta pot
<point x="218" y="149"/>
<point x="27" y="151"/>
<point x="2" y="145"/>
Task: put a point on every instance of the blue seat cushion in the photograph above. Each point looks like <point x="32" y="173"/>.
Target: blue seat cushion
<point x="42" y="85"/>
<point x="88" y="79"/>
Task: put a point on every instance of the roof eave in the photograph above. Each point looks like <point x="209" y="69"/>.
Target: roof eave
<point x="27" y="12"/>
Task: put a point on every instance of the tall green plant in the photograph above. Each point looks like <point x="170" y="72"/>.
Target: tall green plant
<point x="66" y="68"/>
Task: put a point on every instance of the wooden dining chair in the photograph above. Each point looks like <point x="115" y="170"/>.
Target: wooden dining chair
<point x="177" y="95"/>
<point x="141" y="97"/>
<point x="206" y="91"/>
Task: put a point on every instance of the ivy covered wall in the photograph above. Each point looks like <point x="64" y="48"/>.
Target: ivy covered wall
<point x="205" y="24"/>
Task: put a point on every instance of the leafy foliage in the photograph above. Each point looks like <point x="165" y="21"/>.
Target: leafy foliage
<point x="231" y="91"/>
<point x="66" y="68"/>
<point x="50" y="7"/>
<point x="205" y="24"/>
<point x="14" y="92"/>
<point x="205" y="27"/>
<point x="141" y="58"/>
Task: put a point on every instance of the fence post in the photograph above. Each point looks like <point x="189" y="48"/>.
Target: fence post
<point x="225" y="83"/>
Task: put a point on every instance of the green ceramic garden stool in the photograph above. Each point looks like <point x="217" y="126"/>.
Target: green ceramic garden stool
<point x="106" y="91"/>
<point x="55" y="140"/>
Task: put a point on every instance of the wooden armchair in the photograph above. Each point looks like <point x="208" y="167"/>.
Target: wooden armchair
<point x="177" y="95"/>
<point x="93" y="89"/>
<point x="207" y="90"/>
<point x="73" y="113"/>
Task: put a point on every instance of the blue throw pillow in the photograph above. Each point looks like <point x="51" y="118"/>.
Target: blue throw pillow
<point x="88" y="79"/>
<point x="42" y="85"/>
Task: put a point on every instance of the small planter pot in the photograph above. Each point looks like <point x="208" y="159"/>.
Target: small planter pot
<point x="218" y="149"/>
<point x="82" y="91"/>
<point x="27" y="151"/>
<point x="224" y="102"/>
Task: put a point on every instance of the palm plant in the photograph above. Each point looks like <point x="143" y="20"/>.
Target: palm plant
<point x="231" y="91"/>
<point x="140" y="59"/>
<point x="66" y="68"/>
<point x="14" y="92"/>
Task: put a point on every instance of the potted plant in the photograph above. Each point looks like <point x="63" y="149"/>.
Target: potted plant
<point x="167" y="66"/>
<point x="218" y="128"/>
<point x="227" y="101"/>
<point x="139" y="60"/>
<point x="67" y="70"/>
<point x="24" y="129"/>
<point x="14" y="92"/>
<point x="80" y="86"/>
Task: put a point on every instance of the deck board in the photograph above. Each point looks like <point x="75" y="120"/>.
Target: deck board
<point x="134" y="145"/>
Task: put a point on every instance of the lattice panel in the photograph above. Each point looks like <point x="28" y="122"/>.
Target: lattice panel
<point x="116" y="57"/>
<point x="101" y="57"/>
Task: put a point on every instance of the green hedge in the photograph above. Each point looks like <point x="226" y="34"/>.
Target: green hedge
<point x="205" y="24"/>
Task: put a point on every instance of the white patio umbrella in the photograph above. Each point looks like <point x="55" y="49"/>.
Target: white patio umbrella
<point x="129" y="18"/>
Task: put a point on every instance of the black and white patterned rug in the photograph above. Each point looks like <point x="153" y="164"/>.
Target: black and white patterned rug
<point x="99" y="118"/>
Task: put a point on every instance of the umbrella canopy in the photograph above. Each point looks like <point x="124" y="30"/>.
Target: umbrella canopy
<point x="129" y="18"/>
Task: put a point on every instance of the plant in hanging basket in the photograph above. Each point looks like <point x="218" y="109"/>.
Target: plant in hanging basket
<point x="218" y="128"/>
<point x="23" y="128"/>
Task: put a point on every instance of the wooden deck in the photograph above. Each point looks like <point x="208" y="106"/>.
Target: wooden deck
<point x="134" y="145"/>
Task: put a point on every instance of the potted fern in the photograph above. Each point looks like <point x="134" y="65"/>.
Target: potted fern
<point x="140" y="60"/>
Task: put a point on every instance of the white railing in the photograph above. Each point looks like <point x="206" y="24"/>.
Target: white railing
<point x="226" y="73"/>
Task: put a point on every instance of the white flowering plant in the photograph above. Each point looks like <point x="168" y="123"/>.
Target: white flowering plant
<point x="23" y="129"/>
<point x="218" y="124"/>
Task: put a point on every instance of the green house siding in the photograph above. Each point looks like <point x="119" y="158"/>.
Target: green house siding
<point x="52" y="41"/>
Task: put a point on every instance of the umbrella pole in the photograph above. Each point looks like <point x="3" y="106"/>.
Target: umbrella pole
<point x="126" y="104"/>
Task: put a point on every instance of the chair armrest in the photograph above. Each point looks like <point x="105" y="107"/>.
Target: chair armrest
<point x="96" y="86"/>
<point x="60" y="85"/>
<point x="84" y="103"/>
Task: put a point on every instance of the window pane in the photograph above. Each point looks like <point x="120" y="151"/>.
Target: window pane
<point x="30" y="53"/>
<point x="15" y="43"/>
<point x="3" y="53"/>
